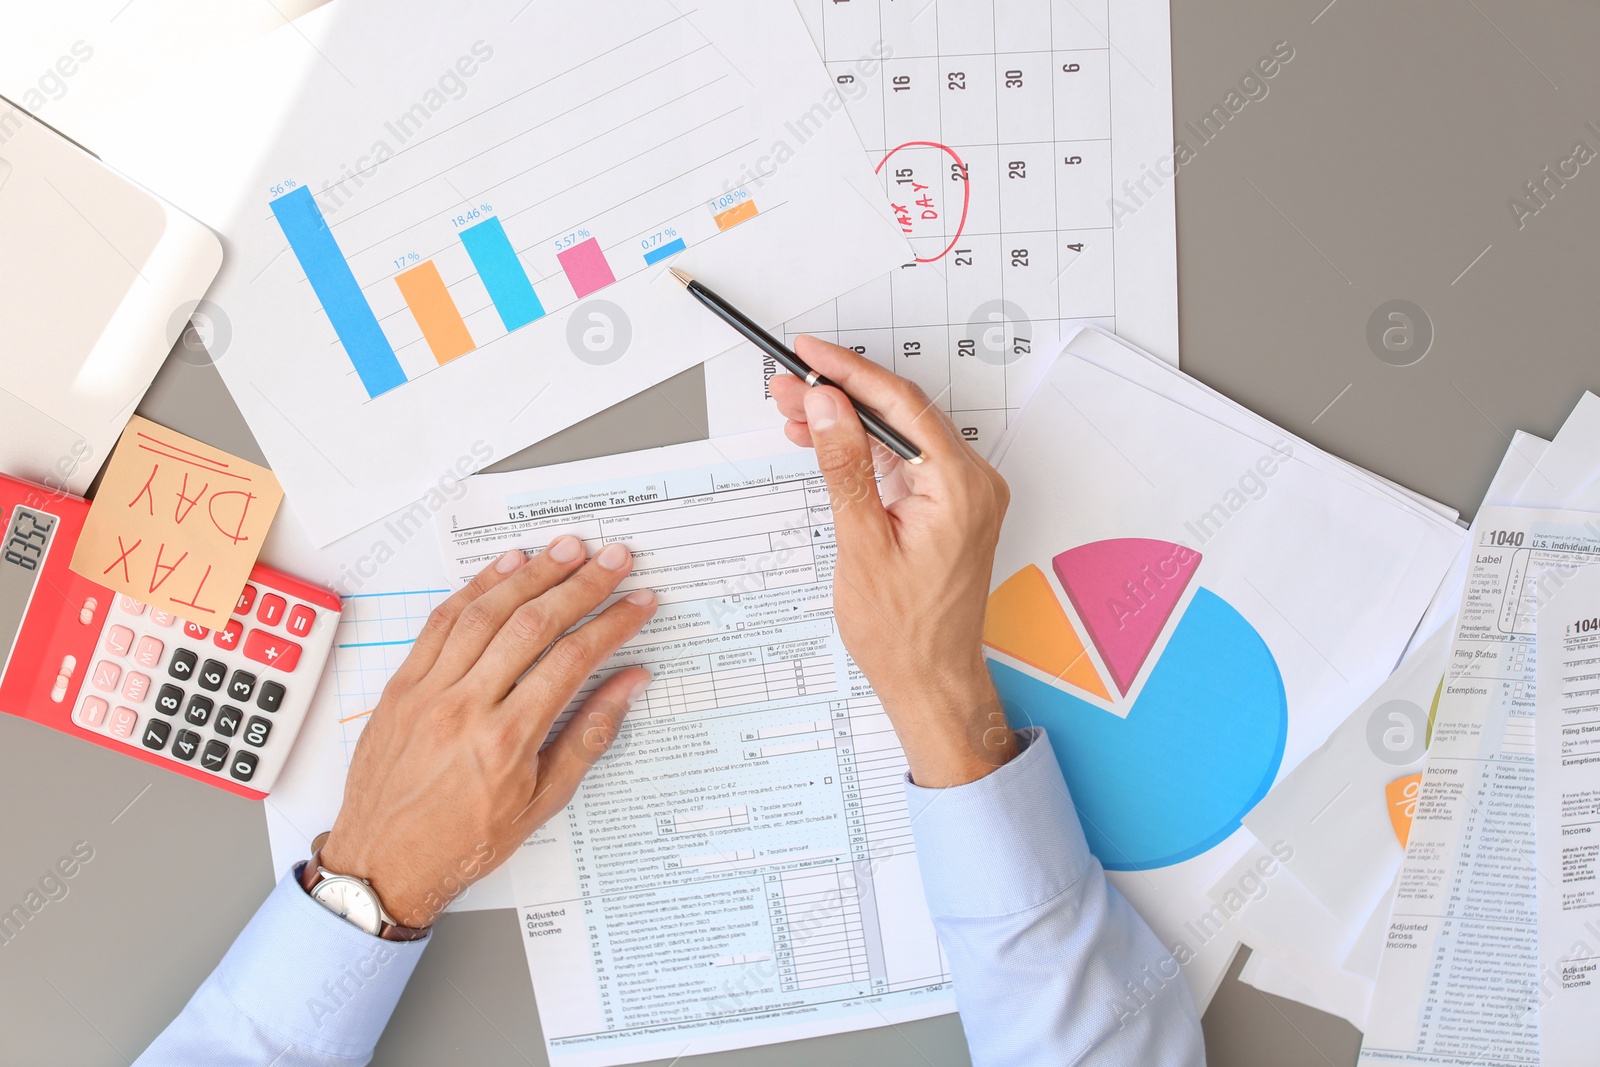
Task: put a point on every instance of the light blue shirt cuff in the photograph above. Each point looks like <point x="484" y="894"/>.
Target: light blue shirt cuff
<point x="1008" y="842"/>
<point x="298" y="983"/>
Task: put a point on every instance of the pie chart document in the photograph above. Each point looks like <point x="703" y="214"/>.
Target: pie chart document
<point x="449" y="227"/>
<point x="1189" y="601"/>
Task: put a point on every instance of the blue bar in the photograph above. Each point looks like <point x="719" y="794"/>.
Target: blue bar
<point x="502" y="273"/>
<point x="331" y="279"/>
<point x="671" y="248"/>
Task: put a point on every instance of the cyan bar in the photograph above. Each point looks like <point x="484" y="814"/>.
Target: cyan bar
<point x="502" y="273"/>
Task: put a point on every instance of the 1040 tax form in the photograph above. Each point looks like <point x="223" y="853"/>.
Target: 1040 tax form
<point x="739" y="868"/>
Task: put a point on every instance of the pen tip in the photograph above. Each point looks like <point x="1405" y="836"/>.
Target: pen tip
<point x="683" y="279"/>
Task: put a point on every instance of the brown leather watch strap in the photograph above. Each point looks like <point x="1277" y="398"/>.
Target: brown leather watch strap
<point x="312" y="874"/>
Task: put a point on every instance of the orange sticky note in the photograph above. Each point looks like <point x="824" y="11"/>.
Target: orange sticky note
<point x="177" y="523"/>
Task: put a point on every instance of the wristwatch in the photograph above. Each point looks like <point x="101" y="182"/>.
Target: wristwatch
<point x="352" y="899"/>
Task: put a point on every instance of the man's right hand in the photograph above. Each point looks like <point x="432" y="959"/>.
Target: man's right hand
<point x="911" y="581"/>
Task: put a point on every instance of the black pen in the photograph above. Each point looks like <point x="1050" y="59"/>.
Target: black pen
<point x="795" y="365"/>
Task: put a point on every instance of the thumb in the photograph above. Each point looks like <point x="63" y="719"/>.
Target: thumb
<point x="844" y="455"/>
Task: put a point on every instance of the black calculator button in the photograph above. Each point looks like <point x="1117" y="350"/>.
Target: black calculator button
<point x="228" y="720"/>
<point x="215" y="756"/>
<point x="241" y="685"/>
<point x="271" y="698"/>
<point x="169" y="699"/>
<point x="243" y="767"/>
<point x="256" y="731"/>
<point x="156" y="732"/>
<point x="212" y="672"/>
<point x="185" y="745"/>
<point x="182" y="665"/>
<point x="199" y="710"/>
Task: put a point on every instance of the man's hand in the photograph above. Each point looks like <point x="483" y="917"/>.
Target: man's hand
<point x="448" y="778"/>
<point x="912" y="577"/>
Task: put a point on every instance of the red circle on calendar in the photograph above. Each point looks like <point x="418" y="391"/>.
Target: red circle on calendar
<point x="966" y="192"/>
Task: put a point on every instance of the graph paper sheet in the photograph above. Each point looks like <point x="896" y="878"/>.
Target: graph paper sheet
<point x="1001" y="131"/>
<point x="739" y="868"/>
<point x="449" y="226"/>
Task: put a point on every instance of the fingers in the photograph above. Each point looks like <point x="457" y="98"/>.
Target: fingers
<point x="901" y="403"/>
<point x="477" y="623"/>
<point x="586" y="737"/>
<point x="425" y="651"/>
<point x="844" y="455"/>
<point x="548" y="688"/>
<point x="527" y="630"/>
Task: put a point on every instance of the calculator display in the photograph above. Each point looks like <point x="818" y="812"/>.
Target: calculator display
<point x="27" y="542"/>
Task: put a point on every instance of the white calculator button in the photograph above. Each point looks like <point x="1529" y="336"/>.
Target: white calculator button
<point x="119" y="640"/>
<point x="93" y="712"/>
<point x="123" y="720"/>
<point x="130" y="605"/>
<point x="106" y="676"/>
<point x="136" y="687"/>
<point x="149" y="651"/>
<point x="163" y="618"/>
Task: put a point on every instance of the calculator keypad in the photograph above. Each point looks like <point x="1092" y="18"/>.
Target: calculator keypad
<point x="213" y="697"/>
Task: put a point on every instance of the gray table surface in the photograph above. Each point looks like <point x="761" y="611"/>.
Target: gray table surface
<point x="1378" y="167"/>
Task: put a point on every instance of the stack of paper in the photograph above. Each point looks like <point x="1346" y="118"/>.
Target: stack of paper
<point x="1407" y="900"/>
<point x="1191" y="600"/>
<point x="1480" y="961"/>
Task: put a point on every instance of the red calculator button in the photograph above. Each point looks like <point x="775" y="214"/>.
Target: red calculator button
<point x="300" y="620"/>
<point x="228" y="636"/>
<point x="272" y="650"/>
<point x="123" y="720"/>
<point x="119" y="640"/>
<point x="195" y="630"/>
<point x="136" y="687"/>
<point x="149" y="651"/>
<point x="93" y="712"/>
<point x="130" y="605"/>
<point x="163" y="618"/>
<point x="247" y="597"/>
<point x="106" y="675"/>
<point x="271" y="610"/>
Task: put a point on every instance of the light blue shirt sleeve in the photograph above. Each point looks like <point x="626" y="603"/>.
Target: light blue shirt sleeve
<point x="1052" y="965"/>
<point x="300" y="987"/>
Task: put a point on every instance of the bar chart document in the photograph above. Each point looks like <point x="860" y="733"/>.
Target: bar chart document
<point x="1027" y="149"/>
<point x="448" y="227"/>
<point x="1458" y="980"/>
<point x="1567" y="799"/>
<point x="739" y="868"/>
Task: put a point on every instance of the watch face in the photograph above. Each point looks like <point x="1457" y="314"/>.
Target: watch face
<point x="351" y="900"/>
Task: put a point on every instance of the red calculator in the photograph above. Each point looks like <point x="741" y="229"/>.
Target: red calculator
<point x="219" y="705"/>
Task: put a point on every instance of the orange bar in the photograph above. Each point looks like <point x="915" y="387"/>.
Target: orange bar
<point x="435" y="312"/>
<point x="735" y="215"/>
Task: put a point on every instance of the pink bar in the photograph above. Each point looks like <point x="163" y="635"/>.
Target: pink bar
<point x="586" y="267"/>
